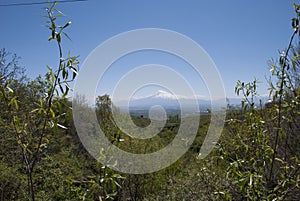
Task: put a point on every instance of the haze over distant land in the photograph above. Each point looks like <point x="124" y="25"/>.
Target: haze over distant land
<point x="171" y="103"/>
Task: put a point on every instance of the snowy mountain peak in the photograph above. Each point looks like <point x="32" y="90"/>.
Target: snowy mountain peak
<point x="164" y="95"/>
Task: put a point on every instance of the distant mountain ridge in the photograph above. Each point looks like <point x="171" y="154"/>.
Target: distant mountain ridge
<point x="174" y="102"/>
<point x="162" y="98"/>
<point x="164" y="95"/>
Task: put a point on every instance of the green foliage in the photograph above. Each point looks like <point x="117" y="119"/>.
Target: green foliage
<point x="42" y="158"/>
<point x="32" y="110"/>
<point x="261" y="148"/>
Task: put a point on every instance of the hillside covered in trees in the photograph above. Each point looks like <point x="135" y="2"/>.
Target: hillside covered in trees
<point x="42" y="158"/>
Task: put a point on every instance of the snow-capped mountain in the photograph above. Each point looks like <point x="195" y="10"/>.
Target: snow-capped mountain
<point x="165" y="100"/>
<point x="175" y="103"/>
<point x="162" y="98"/>
<point x="164" y="95"/>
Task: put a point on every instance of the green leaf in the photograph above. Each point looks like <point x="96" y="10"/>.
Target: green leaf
<point x="66" y="25"/>
<point x="50" y="38"/>
<point x="9" y="89"/>
<point x="34" y="110"/>
<point x="16" y="120"/>
<point x="250" y="180"/>
<point x="52" y="113"/>
<point x="61" y="126"/>
<point x="49" y="68"/>
<point x="58" y="11"/>
<point x="67" y="90"/>
<point x="58" y="37"/>
<point x="64" y="33"/>
<point x="55" y="129"/>
<point x="67" y="85"/>
<point x="75" y="73"/>
<point x="14" y="102"/>
<point x="61" y="88"/>
<point x="73" y="70"/>
<point x="64" y="73"/>
<point x="53" y="32"/>
<point x="59" y="107"/>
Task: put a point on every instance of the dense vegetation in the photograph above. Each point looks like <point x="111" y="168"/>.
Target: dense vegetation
<point x="42" y="158"/>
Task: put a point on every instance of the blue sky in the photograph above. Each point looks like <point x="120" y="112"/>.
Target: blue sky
<point x="240" y="36"/>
